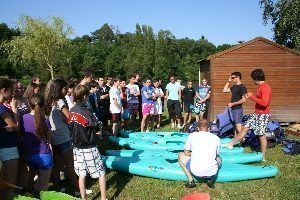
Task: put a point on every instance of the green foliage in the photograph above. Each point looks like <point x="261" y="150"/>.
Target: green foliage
<point x="285" y="17"/>
<point x="42" y="42"/>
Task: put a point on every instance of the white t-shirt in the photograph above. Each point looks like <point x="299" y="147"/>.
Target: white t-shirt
<point x="70" y="101"/>
<point x="133" y="89"/>
<point x="204" y="147"/>
<point x="115" y="93"/>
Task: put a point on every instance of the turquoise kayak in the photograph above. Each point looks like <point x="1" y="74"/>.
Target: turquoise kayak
<point x="140" y="144"/>
<point x="168" y="136"/>
<point x="170" y="170"/>
<point x="173" y="155"/>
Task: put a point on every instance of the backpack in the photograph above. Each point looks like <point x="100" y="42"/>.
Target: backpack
<point x="291" y="147"/>
<point x="189" y="128"/>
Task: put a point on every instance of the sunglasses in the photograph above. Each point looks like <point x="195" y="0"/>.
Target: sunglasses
<point x="233" y="77"/>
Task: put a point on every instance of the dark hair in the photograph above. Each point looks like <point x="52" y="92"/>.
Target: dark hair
<point x="258" y="75"/>
<point x="36" y="103"/>
<point x="171" y="76"/>
<point x="155" y="80"/>
<point x="92" y="84"/>
<point x="115" y="80"/>
<point x="30" y="90"/>
<point x="79" y="92"/>
<point x="87" y="73"/>
<point x="204" y="78"/>
<point x="34" y="78"/>
<point x="5" y="83"/>
<point x="71" y="84"/>
<point x="132" y="76"/>
<point x="237" y="74"/>
<point x="53" y="93"/>
<point x="203" y="123"/>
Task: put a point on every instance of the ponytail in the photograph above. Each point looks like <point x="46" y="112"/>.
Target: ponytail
<point x="37" y="102"/>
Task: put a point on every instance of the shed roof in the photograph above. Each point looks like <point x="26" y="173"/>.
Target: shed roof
<point x="248" y="43"/>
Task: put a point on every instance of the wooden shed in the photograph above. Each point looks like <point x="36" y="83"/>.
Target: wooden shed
<point x="282" y="70"/>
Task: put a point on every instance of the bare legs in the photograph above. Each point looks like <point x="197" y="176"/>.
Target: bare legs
<point x="102" y="187"/>
<point x="182" y="159"/>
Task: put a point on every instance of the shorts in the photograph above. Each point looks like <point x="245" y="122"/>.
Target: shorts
<point x="188" y="107"/>
<point x="9" y="153"/>
<point x="64" y="147"/>
<point x="237" y="115"/>
<point x="40" y="161"/>
<point x="133" y="108"/>
<point x="258" y="123"/>
<point x="148" y="109"/>
<point x="174" y="108"/>
<point x="188" y="165"/>
<point x="88" y="161"/>
<point x="125" y="114"/>
<point x="115" y="117"/>
<point x="157" y="108"/>
<point x="199" y="108"/>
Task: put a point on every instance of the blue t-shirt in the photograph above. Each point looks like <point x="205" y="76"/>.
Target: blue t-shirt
<point x="7" y="139"/>
<point x="203" y="90"/>
<point x="150" y="92"/>
<point x="173" y="89"/>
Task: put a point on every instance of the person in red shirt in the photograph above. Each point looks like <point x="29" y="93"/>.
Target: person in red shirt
<point x="258" y="121"/>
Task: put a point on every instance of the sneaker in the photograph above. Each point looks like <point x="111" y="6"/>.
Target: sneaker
<point x="179" y="127"/>
<point x="77" y="194"/>
<point x="210" y="183"/>
<point x="190" y="184"/>
<point x="172" y="125"/>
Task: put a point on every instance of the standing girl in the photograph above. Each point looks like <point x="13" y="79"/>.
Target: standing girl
<point x="58" y="112"/>
<point x="37" y="144"/>
<point x="9" y="124"/>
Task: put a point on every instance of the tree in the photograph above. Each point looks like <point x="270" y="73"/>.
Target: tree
<point x="6" y="34"/>
<point x="44" y="42"/>
<point x="285" y="17"/>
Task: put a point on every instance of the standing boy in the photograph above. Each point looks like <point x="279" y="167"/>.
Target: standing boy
<point x="84" y="127"/>
<point x="115" y="106"/>
<point x="202" y="94"/>
<point x="238" y="91"/>
<point x="188" y="95"/>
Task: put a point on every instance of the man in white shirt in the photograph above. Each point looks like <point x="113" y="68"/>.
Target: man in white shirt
<point x="200" y="156"/>
<point x="115" y="106"/>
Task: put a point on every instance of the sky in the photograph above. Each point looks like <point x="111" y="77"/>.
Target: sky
<point x="219" y="21"/>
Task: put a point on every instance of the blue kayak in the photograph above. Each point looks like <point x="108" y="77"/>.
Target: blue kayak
<point x="157" y="144"/>
<point x="173" y="155"/>
<point x="168" y="136"/>
<point x="170" y="170"/>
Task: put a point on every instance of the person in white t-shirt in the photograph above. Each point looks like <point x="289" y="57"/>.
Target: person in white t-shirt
<point x="200" y="156"/>
<point x="115" y="106"/>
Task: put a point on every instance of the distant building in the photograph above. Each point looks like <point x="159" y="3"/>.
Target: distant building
<point x="282" y="70"/>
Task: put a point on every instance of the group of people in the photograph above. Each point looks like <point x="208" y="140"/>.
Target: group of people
<point x="42" y="134"/>
<point x="200" y="157"/>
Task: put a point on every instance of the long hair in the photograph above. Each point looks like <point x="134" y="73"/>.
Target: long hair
<point x="53" y="93"/>
<point x="30" y="90"/>
<point x="36" y="103"/>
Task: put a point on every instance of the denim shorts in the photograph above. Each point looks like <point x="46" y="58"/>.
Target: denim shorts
<point x="9" y="153"/>
<point x="125" y="114"/>
<point x="63" y="147"/>
<point x="40" y="161"/>
<point x="237" y="115"/>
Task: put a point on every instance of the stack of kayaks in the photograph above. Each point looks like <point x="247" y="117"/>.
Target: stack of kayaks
<point x="161" y="144"/>
<point x="156" y="153"/>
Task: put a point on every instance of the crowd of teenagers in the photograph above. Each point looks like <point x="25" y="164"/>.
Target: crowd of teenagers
<point x="44" y="134"/>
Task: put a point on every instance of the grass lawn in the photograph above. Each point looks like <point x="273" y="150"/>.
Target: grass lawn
<point x="286" y="185"/>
